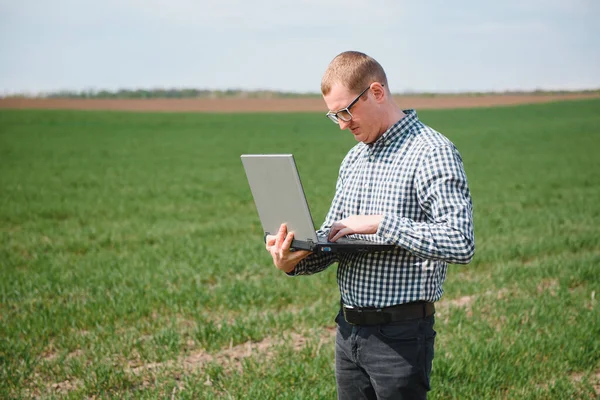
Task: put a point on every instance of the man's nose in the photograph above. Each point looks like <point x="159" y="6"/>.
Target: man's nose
<point x="344" y="124"/>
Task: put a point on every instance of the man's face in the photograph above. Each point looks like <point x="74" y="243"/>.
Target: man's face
<point x="364" y="123"/>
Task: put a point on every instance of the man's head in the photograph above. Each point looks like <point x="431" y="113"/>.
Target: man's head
<point x="355" y="90"/>
<point x="354" y="70"/>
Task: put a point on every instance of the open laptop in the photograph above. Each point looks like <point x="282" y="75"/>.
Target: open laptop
<point x="279" y="197"/>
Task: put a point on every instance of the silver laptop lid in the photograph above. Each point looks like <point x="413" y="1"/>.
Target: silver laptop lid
<point x="278" y="194"/>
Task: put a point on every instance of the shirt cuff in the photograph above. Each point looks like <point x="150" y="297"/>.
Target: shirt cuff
<point x="390" y="228"/>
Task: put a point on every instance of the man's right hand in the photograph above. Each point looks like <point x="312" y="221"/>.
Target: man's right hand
<point x="279" y="247"/>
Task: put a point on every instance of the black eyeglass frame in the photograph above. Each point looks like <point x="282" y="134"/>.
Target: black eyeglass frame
<point x="333" y="116"/>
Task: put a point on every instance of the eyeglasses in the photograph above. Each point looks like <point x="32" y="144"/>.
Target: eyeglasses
<point x="344" y="114"/>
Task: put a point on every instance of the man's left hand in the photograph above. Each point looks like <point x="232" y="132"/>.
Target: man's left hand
<point x="365" y="224"/>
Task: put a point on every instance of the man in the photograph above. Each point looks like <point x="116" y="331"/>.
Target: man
<point x="403" y="183"/>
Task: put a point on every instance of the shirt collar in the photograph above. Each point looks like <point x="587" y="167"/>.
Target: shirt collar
<point x="397" y="130"/>
<point x="402" y="126"/>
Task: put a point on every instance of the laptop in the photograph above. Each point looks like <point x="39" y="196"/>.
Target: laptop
<point x="279" y="197"/>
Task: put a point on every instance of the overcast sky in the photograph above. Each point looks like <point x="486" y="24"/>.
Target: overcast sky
<point x="432" y="45"/>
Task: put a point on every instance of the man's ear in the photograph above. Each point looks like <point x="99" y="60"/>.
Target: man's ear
<point x="378" y="92"/>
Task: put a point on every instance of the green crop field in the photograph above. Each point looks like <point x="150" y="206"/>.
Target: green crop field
<point x="132" y="262"/>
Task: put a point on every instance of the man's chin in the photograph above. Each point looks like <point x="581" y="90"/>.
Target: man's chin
<point x="363" y="139"/>
<point x="359" y="136"/>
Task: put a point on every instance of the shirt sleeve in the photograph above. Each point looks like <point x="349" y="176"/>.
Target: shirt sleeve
<point x="316" y="262"/>
<point x="444" y="197"/>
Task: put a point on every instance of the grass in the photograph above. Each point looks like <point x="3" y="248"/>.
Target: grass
<point x="131" y="261"/>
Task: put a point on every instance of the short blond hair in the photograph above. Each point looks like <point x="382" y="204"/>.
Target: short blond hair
<point x="354" y="70"/>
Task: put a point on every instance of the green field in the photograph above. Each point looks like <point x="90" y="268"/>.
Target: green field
<point x="132" y="262"/>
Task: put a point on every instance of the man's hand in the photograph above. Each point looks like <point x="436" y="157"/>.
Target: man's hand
<point x="279" y="247"/>
<point x="365" y="224"/>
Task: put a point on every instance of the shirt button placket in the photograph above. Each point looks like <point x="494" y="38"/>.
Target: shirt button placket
<point x="367" y="180"/>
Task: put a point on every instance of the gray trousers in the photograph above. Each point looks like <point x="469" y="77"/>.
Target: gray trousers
<point x="391" y="361"/>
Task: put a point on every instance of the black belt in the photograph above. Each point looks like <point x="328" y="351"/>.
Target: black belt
<point x="380" y="316"/>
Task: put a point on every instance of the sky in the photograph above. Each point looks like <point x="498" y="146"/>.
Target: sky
<point x="424" y="46"/>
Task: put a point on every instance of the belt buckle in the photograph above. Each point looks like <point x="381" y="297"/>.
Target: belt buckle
<point x="344" y="308"/>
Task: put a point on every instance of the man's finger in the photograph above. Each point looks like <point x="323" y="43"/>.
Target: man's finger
<point x="287" y="243"/>
<point x="332" y="231"/>
<point x="270" y="241"/>
<point x="288" y="240"/>
<point x="280" y="235"/>
<point x="335" y="229"/>
<point x="340" y="233"/>
<point x="284" y="248"/>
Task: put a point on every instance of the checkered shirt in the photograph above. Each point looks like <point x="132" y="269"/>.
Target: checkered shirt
<point x="414" y="177"/>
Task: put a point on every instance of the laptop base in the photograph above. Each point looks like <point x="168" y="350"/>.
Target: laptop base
<point x="343" y="245"/>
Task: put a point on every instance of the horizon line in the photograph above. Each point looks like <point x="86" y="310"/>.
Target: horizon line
<point x="260" y="93"/>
